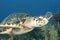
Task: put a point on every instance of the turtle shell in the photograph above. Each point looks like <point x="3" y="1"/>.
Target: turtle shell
<point x="13" y="18"/>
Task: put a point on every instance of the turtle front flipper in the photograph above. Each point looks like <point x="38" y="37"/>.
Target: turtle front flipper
<point x="22" y="31"/>
<point x="8" y="31"/>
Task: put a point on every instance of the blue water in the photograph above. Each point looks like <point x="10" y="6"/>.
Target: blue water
<point x="32" y="7"/>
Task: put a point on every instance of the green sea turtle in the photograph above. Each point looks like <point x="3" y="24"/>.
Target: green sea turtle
<point x="25" y="22"/>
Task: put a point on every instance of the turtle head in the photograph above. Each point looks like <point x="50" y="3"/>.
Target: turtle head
<point x="41" y="20"/>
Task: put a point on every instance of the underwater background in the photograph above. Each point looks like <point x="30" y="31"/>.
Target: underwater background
<point x="51" y="31"/>
<point x="32" y="7"/>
